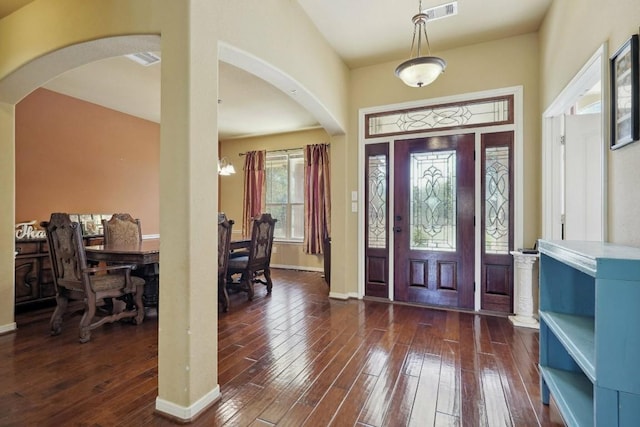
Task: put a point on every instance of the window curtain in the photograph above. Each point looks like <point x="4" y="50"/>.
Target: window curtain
<point x="317" y="195"/>
<point x="254" y="179"/>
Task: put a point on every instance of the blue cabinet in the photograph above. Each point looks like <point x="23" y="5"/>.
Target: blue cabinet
<point x="590" y="331"/>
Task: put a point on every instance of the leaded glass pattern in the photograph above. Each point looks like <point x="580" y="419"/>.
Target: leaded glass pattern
<point x="377" y="209"/>
<point x="494" y="111"/>
<point x="433" y="196"/>
<point x="496" y="200"/>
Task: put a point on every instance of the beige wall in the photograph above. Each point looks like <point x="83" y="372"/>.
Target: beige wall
<point x="7" y="211"/>
<point x="498" y="64"/>
<point x="77" y="157"/>
<point x="231" y="188"/>
<point x="572" y="32"/>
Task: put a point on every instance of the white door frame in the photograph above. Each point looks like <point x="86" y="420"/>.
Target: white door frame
<point x="518" y="229"/>
<point x="595" y="69"/>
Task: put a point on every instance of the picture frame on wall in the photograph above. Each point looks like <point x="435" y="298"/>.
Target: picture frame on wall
<point x="624" y="94"/>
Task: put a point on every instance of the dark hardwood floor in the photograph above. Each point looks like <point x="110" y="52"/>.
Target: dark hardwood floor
<point x="294" y="358"/>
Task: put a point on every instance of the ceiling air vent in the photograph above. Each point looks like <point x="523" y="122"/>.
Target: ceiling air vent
<point x="442" y="11"/>
<point x="144" y="58"/>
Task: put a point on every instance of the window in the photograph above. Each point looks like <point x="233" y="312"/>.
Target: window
<point x="285" y="192"/>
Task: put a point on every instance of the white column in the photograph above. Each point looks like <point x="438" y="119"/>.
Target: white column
<point x="525" y="299"/>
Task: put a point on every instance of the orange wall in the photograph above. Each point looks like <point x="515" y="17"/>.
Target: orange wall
<point x="77" y="157"/>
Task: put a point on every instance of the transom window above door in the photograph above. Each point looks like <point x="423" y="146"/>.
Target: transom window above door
<point x="486" y="112"/>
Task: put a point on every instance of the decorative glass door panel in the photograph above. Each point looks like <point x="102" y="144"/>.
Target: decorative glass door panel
<point x="434" y="220"/>
<point x="377" y="178"/>
<point x="497" y="222"/>
<point x="497" y="198"/>
<point x="377" y="220"/>
<point x="433" y="201"/>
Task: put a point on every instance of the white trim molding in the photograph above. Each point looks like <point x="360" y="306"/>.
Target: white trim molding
<point x="594" y="70"/>
<point x="297" y="267"/>
<point x="184" y="413"/>
<point x="337" y="295"/>
<point x="9" y="327"/>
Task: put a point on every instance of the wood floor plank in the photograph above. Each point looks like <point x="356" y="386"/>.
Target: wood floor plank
<point x="451" y="325"/>
<point x="329" y="372"/>
<point x="495" y="401"/>
<point x="520" y="407"/>
<point x="446" y="420"/>
<point x="349" y="411"/>
<point x="302" y="383"/>
<point x="295" y="357"/>
<point x="376" y="407"/>
<point x="359" y="359"/>
<point x="423" y="412"/>
<point x="401" y="402"/>
<point x="449" y="387"/>
<point x="417" y="350"/>
<point x="472" y="407"/>
<point x="468" y="349"/>
<point x="326" y="408"/>
<point x="482" y="334"/>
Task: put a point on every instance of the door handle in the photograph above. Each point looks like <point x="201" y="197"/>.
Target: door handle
<point x="397" y="229"/>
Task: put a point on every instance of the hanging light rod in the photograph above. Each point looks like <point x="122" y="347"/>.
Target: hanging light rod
<point x="419" y="70"/>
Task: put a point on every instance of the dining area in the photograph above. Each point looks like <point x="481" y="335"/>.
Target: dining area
<point x="116" y="275"/>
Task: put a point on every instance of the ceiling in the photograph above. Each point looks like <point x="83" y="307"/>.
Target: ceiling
<point x="362" y="32"/>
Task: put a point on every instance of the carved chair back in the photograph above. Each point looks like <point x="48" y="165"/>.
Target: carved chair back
<point x="224" y="246"/>
<point x="258" y="259"/>
<point x="122" y="228"/>
<point x="66" y="250"/>
<point x="262" y="231"/>
<point x="225" y="227"/>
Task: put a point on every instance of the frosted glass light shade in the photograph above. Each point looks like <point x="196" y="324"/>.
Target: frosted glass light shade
<point x="421" y="71"/>
<point x="225" y="167"/>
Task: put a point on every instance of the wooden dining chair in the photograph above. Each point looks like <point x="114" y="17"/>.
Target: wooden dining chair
<point x="122" y="228"/>
<point x="225" y="227"/>
<point x="256" y="263"/>
<point x="75" y="281"/>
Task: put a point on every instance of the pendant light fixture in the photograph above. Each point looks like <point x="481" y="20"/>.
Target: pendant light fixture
<point x="419" y="70"/>
<point x="225" y="167"/>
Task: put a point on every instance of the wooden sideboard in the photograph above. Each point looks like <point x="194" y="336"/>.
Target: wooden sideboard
<point x="33" y="277"/>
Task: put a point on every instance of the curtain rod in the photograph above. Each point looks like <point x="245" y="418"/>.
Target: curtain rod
<point x="276" y="151"/>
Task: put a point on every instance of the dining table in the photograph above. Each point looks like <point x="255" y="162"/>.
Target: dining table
<point x="145" y="255"/>
<point x="141" y="253"/>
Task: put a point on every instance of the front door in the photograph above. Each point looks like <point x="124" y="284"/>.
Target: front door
<point x="433" y="220"/>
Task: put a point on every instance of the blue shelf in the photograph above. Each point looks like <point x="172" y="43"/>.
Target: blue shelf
<point x="573" y="393"/>
<point x="576" y="333"/>
<point x="589" y="342"/>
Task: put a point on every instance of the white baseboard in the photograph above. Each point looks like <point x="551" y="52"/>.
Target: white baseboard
<point x="297" y="267"/>
<point x="10" y="327"/>
<point x="337" y="295"/>
<point x="187" y="413"/>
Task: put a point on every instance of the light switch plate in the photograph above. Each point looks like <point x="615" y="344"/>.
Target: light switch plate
<point x="354" y="196"/>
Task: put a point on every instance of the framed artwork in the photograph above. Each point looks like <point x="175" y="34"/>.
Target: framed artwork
<point x="624" y="94"/>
